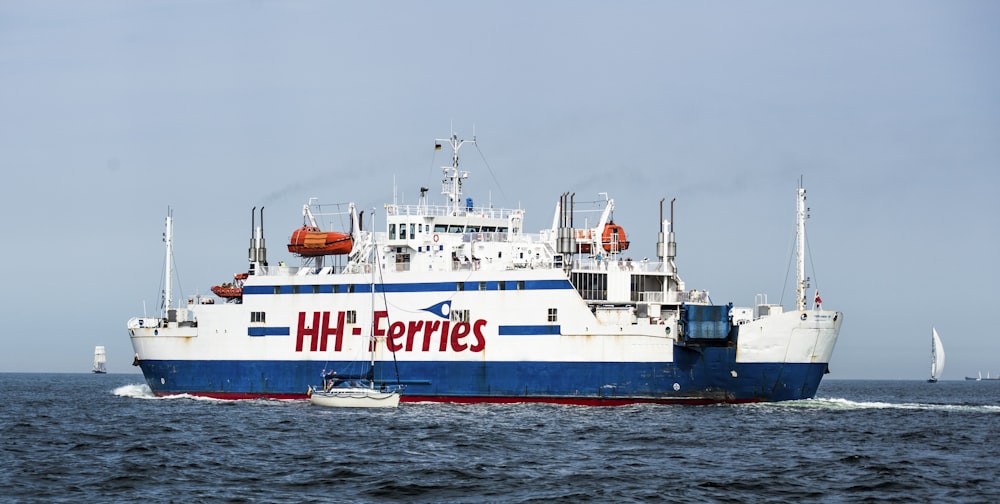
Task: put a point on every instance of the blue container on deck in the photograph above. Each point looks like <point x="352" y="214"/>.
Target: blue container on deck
<point x="705" y="322"/>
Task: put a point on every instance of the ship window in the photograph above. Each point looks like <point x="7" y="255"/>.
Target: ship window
<point x="392" y="231"/>
<point x="489" y="229"/>
<point x="351" y="317"/>
<point x="440" y="228"/>
<point x="460" y="315"/>
<point x="336" y="289"/>
<point x="402" y="231"/>
<point x="591" y="286"/>
<point x="295" y="289"/>
<point x="502" y="285"/>
<point x="520" y="285"/>
<point x="350" y="288"/>
<point x="553" y="315"/>
<point x="460" y="286"/>
<point x="455" y="229"/>
<point x="257" y="316"/>
<point x="277" y="289"/>
<point x="502" y="229"/>
<point x="315" y="289"/>
<point x="413" y="228"/>
<point x="482" y="286"/>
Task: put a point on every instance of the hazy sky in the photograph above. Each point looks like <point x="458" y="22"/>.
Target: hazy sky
<point x="890" y="111"/>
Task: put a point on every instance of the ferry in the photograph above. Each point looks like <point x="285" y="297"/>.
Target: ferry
<point x="459" y="303"/>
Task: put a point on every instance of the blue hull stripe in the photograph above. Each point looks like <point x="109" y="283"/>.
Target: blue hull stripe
<point x="527" y="330"/>
<point x="405" y="287"/>
<point x="707" y="374"/>
<point x="268" y="331"/>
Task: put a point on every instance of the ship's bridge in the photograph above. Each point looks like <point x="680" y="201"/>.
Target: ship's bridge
<point x="412" y="225"/>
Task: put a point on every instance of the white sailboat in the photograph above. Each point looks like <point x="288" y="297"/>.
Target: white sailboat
<point x="937" y="356"/>
<point x="357" y="391"/>
<point x="99" y="360"/>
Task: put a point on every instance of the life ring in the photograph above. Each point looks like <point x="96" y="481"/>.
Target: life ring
<point x="435" y="238"/>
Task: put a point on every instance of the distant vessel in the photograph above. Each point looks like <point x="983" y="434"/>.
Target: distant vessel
<point x="937" y="357"/>
<point x="99" y="360"/>
<point x="484" y="311"/>
<point x="980" y="377"/>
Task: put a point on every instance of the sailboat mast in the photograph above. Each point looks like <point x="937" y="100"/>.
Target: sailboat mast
<point x="372" y="341"/>
<point x="168" y="238"/>
<point x="800" y="247"/>
<point x="933" y="356"/>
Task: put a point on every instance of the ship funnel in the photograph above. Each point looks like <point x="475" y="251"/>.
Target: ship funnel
<point x="671" y="244"/>
<point x="261" y="247"/>
<point x="659" y="236"/>
<point x="564" y="234"/>
<point x="252" y="254"/>
<point x="257" y="254"/>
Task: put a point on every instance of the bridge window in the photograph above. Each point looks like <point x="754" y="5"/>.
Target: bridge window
<point x="392" y="231"/>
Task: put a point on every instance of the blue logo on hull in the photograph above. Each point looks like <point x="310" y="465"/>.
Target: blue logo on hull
<point x="442" y="309"/>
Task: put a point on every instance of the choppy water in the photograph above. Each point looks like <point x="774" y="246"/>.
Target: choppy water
<point x="103" y="438"/>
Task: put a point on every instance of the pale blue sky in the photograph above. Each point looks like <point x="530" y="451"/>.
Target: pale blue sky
<point x="111" y="111"/>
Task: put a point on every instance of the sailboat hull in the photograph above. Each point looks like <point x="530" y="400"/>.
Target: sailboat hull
<point x="355" y="397"/>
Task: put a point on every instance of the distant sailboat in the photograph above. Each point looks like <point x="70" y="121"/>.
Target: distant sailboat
<point x="937" y="356"/>
<point x="99" y="360"/>
<point x="980" y="377"/>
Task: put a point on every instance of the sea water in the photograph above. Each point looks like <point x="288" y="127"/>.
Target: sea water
<point x="105" y="438"/>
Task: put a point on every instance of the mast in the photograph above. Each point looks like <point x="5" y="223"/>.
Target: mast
<point x="168" y="238"/>
<point x="800" y="247"/>
<point x="452" y="183"/>
<point x="372" y="340"/>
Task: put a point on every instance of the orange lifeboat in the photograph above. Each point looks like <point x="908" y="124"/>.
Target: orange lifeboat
<point x="231" y="290"/>
<point x="309" y="241"/>
<point x="613" y="237"/>
<point x="584" y="237"/>
<point x="227" y="291"/>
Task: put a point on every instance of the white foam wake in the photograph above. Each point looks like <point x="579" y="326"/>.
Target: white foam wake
<point x="847" y="404"/>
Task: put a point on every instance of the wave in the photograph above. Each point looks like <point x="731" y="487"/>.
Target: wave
<point x="142" y="391"/>
<point x="847" y="404"/>
<point x="134" y="390"/>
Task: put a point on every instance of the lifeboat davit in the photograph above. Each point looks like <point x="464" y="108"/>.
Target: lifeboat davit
<point x="309" y="241"/>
